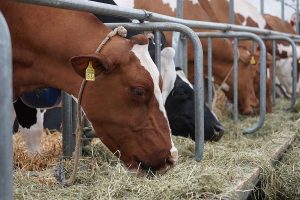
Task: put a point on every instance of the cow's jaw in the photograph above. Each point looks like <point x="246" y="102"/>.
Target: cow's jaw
<point x="141" y="52"/>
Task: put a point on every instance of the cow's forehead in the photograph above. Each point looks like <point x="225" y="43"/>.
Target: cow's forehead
<point x="141" y="52"/>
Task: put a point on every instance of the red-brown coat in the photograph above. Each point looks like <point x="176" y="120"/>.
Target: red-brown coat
<point x="124" y="103"/>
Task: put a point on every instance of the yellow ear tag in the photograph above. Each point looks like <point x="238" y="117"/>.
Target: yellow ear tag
<point x="252" y="61"/>
<point x="299" y="61"/>
<point x="90" y="72"/>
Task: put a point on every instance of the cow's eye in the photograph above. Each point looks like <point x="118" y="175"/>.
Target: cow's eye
<point x="138" y="91"/>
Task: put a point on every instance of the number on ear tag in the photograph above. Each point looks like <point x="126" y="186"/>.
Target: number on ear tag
<point x="90" y="72"/>
<point x="252" y="61"/>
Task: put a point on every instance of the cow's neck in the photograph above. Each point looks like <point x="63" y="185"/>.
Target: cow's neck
<point x="52" y="37"/>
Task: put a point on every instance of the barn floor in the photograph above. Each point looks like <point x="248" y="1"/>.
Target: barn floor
<point x="224" y="172"/>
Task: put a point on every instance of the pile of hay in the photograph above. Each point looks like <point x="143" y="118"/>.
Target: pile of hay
<point x="225" y="164"/>
<point x="50" y="151"/>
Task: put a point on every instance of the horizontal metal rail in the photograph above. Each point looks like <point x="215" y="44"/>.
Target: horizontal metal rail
<point x="262" y="97"/>
<point x="111" y="10"/>
<point x="198" y="70"/>
<point x="6" y="122"/>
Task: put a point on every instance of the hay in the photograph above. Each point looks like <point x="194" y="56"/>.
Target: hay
<point x="50" y="151"/>
<point x="224" y="165"/>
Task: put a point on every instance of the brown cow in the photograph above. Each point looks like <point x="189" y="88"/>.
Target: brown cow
<point x="250" y="16"/>
<point x="124" y="103"/>
<point x="222" y="54"/>
<point x="214" y="7"/>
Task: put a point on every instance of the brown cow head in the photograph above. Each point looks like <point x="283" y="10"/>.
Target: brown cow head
<point x="247" y="100"/>
<point x="125" y="104"/>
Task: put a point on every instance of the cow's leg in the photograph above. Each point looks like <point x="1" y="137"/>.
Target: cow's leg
<point x="31" y="125"/>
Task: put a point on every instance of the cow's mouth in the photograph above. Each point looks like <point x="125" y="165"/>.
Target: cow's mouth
<point x="218" y="133"/>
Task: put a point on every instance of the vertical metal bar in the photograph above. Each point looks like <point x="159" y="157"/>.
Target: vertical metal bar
<point x="177" y="41"/>
<point x="231" y="12"/>
<point x="273" y="72"/>
<point x="282" y="10"/>
<point x="209" y="72"/>
<point x="67" y="125"/>
<point x="262" y="8"/>
<point x="297" y="17"/>
<point x="6" y="122"/>
<point x="235" y="81"/>
<point x="157" y="38"/>
<point x="294" y="75"/>
<point x="179" y="11"/>
<point x="184" y="52"/>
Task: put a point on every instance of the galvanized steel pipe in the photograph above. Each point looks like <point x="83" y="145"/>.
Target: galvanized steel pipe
<point x="157" y="39"/>
<point x="273" y="72"/>
<point x="6" y="116"/>
<point x="231" y="11"/>
<point x="111" y="10"/>
<point x="262" y="100"/>
<point x="209" y="73"/>
<point x="235" y="80"/>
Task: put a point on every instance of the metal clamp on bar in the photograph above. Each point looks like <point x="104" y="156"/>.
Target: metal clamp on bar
<point x="6" y="116"/>
<point x="262" y="98"/>
<point x="294" y="71"/>
<point x="198" y="70"/>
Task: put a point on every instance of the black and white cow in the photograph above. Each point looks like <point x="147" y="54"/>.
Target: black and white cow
<point x="178" y="94"/>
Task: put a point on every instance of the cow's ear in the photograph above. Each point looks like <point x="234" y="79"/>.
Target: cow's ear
<point x="97" y="61"/>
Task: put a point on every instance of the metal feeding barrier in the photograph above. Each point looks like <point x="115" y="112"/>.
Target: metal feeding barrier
<point x="294" y="66"/>
<point x="6" y="116"/>
<point x="106" y="9"/>
<point x="261" y="44"/>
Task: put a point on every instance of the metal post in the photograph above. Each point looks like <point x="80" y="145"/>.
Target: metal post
<point x="209" y="72"/>
<point x="297" y="16"/>
<point x="262" y="8"/>
<point x="273" y="72"/>
<point x="235" y="80"/>
<point x="6" y="118"/>
<point x="231" y="11"/>
<point x="67" y="125"/>
<point x="184" y="53"/>
<point x="198" y="70"/>
<point x="180" y="43"/>
<point x="262" y="79"/>
<point x="157" y="38"/>
<point x="282" y="10"/>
